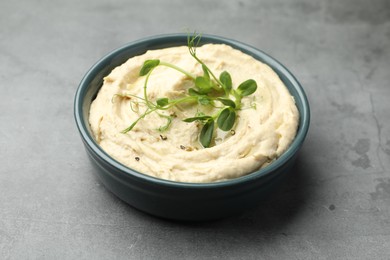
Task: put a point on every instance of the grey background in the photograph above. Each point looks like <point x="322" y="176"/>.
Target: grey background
<point x="335" y="205"/>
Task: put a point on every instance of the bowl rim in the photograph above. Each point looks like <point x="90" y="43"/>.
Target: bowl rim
<point x="248" y="49"/>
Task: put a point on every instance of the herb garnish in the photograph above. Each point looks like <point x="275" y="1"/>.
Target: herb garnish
<point x="208" y="90"/>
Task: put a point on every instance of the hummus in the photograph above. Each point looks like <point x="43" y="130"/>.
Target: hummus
<point x="265" y="126"/>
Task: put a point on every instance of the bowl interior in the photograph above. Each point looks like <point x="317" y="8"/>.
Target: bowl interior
<point x="93" y="81"/>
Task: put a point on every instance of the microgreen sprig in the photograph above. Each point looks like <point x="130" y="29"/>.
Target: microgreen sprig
<point x="208" y="90"/>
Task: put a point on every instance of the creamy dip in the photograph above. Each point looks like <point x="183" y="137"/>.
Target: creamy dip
<point x="265" y="127"/>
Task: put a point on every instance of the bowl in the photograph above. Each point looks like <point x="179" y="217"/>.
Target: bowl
<point x="178" y="200"/>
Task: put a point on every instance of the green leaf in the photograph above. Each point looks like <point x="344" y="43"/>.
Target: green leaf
<point x="226" y="119"/>
<point x="206" y="135"/>
<point x="206" y="74"/>
<point x="162" y="102"/>
<point x="227" y="102"/>
<point x="226" y="81"/>
<point x="203" y="84"/>
<point x="204" y="100"/>
<point x="247" y="87"/>
<point x="148" y="66"/>
<point x="193" y="92"/>
<point x="195" y="118"/>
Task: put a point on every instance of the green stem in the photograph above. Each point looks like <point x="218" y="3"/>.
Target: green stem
<point x="166" y="126"/>
<point x="238" y="98"/>
<point x="148" y="103"/>
<point x="211" y="73"/>
<point x="178" y="69"/>
<point x="147" y="112"/>
<point x="182" y="100"/>
<point x="174" y="102"/>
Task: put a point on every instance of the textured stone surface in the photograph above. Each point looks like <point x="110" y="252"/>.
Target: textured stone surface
<point x="336" y="204"/>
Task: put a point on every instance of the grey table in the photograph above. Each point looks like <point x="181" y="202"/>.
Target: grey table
<point x="335" y="204"/>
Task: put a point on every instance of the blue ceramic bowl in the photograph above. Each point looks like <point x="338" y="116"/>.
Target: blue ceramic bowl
<point x="177" y="200"/>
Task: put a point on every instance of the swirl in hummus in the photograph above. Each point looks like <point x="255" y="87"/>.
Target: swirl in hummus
<point x="265" y="127"/>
